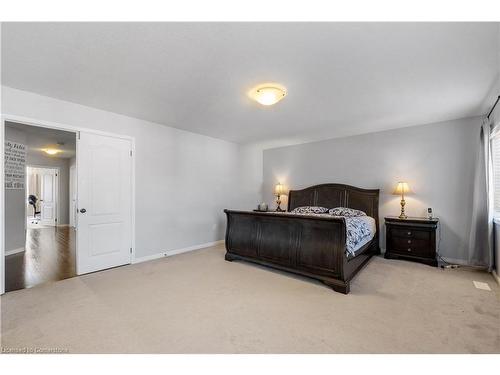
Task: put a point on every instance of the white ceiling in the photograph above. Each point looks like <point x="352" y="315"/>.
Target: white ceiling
<point x="38" y="138"/>
<point x="342" y="78"/>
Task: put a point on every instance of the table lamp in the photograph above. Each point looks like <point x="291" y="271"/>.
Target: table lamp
<point x="278" y="191"/>
<point x="402" y="188"/>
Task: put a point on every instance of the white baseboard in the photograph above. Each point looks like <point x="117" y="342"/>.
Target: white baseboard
<point x="148" y="258"/>
<point x="495" y="276"/>
<point x="169" y="253"/>
<point x="460" y="262"/>
<point x="191" y="248"/>
<point x="15" y="251"/>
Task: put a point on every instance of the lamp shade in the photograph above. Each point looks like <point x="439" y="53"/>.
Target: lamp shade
<point x="402" y="188"/>
<point x="278" y="189"/>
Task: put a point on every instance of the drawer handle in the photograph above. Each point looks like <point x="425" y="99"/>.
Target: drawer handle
<point x="409" y="233"/>
<point x="409" y="241"/>
<point x="409" y="249"/>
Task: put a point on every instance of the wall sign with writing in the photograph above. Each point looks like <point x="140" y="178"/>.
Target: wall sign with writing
<point x="15" y="165"/>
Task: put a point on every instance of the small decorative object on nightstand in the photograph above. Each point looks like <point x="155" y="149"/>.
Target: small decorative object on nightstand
<point x="278" y="191"/>
<point x="413" y="238"/>
<point x="262" y="207"/>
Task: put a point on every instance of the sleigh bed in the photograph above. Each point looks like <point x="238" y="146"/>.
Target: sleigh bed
<point x="309" y="245"/>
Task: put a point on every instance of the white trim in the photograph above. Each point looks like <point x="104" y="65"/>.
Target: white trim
<point x="148" y="258"/>
<point x="170" y="253"/>
<point x="15" y="251"/>
<point x="191" y="248"/>
<point x="72" y="172"/>
<point x="460" y="262"/>
<point x="495" y="276"/>
<point x="59" y="126"/>
<point x="132" y="199"/>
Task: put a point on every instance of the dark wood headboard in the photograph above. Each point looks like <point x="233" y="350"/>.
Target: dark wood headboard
<point x="336" y="195"/>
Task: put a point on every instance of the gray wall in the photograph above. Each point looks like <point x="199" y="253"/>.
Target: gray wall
<point x="14" y="204"/>
<point x="183" y="180"/>
<point x="436" y="159"/>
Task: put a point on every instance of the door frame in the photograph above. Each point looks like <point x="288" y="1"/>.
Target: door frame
<point x="72" y="191"/>
<point x="58" y="189"/>
<point x="70" y="128"/>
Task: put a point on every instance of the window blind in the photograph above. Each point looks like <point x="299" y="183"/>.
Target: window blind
<point x="495" y="148"/>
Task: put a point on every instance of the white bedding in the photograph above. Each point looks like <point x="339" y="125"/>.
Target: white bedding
<point x="370" y="222"/>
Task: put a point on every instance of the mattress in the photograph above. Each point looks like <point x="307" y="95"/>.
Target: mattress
<point x="360" y="230"/>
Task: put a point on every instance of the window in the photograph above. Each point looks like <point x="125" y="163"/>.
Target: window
<point x="495" y="151"/>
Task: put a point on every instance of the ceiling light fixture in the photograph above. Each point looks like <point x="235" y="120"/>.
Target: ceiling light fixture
<point x="51" y="151"/>
<point x="268" y="93"/>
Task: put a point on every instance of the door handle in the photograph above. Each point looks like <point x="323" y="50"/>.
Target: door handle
<point x="83" y="210"/>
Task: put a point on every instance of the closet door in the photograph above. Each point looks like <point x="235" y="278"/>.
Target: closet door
<point x="104" y="225"/>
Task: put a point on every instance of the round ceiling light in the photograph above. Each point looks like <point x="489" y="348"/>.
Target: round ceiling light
<point x="51" y="151"/>
<point x="268" y="93"/>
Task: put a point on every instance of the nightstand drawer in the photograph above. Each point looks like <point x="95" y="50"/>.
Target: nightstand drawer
<point x="410" y="246"/>
<point x="411" y="233"/>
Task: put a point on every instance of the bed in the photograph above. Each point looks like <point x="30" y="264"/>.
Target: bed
<point x="309" y="245"/>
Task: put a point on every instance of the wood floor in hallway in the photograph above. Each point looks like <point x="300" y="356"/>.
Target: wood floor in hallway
<point x="49" y="256"/>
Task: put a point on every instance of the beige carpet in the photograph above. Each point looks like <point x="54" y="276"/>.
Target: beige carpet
<point x="199" y="303"/>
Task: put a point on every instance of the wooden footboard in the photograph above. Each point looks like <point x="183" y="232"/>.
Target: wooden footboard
<point x="308" y="245"/>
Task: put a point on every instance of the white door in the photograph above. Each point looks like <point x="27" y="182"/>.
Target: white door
<point x="48" y="200"/>
<point x="104" y="184"/>
<point x="72" y="196"/>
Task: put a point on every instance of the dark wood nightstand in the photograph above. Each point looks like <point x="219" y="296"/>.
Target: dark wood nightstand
<point x="414" y="238"/>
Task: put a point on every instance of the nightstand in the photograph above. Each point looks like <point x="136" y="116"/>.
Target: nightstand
<point x="414" y="238"/>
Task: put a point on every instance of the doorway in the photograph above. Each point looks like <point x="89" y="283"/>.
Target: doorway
<point x="42" y="196"/>
<point x="43" y="247"/>
<point x="93" y="212"/>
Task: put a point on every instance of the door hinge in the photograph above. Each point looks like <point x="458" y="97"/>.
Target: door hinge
<point x="78" y="133"/>
<point x="130" y="250"/>
<point x="130" y="152"/>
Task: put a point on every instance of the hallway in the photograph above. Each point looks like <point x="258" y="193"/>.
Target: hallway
<point x="49" y="256"/>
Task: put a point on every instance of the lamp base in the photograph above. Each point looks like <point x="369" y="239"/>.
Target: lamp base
<point x="278" y="204"/>
<point x="403" y="215"/>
